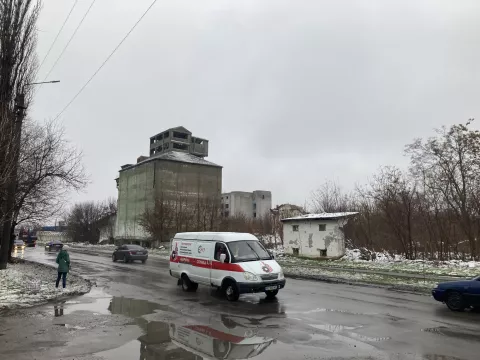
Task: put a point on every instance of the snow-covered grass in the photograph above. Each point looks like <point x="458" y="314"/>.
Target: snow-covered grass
<point x="25" y="284"/>
<point x="359" y="278"/>
<point x="88" y="246"/>
<point x="386" y="263"/>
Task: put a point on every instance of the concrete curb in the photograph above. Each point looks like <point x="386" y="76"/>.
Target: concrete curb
<point x="332" y="280"/>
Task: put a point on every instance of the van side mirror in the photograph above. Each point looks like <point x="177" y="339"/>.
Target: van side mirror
<point x="223" y="257"/>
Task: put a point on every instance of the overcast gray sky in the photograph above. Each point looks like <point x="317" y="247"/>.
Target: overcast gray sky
<point x="289" y="93"/>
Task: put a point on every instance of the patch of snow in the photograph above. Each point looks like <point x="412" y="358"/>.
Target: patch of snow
<point x="322" y="216"/>
<point x="27" y="284"/>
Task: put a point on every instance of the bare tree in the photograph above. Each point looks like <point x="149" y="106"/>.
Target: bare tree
<point x="449" y="165"/>
<point x="17" y="68"/>
<point x="49" y="168"/>
<point x="329" y="197"/>
<point x="85" y="220"/>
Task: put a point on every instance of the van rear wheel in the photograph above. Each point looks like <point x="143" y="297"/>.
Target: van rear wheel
<point x="188" y="285"/>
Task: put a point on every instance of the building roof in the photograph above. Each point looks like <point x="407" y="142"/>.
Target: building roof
<point x="321" y="216"/>
<point x="215" y="236"/>
<point x="177" y="156"/>
<point x="177" y="128"/>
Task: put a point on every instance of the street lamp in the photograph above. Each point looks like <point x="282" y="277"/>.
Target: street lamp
<point x="44" y="82"/>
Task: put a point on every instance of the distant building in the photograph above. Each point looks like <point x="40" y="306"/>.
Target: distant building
<point x="178" y="139"/>
<point x="254" y="204"/>
<point x="176" y="167"/>
<point x="316" y="235"/>
<point x="288" y="210"/>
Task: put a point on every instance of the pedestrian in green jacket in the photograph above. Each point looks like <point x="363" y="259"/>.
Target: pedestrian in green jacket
<point x="63" y="261"/>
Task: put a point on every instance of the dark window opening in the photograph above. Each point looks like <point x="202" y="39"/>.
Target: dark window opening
<point x="254" y="215"/>
<point x="295" y="227"/>
<point x="322" y="227"/>
<point x="254" y="206"/>
<point x="226" y="213"/>
<point x="227" y="197"/>
<point x="180" y="146"/>
<point x="263" y="196"/>
<point x="226" y="206"/>
<point x="295" y="251"/>
<point x="221" y="248"/>
<point x="166" y="135"/>
<point x="323" y="252"/>
<point x="180" y="135"/>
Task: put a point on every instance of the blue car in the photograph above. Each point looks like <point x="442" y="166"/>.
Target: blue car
<point x="459" y="295"/>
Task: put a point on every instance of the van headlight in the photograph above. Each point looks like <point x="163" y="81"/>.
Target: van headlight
<point x="249" y="276"/>
<point x="281" y="276"/>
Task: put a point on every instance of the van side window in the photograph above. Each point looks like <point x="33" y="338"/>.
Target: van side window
<point x="220" y="248"/>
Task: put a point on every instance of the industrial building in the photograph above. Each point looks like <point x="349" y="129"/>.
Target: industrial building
<point x="176" y="166"/>
<point x="254" y="204"/>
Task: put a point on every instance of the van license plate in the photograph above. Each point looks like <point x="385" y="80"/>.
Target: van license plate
<point x="271" y="287"/>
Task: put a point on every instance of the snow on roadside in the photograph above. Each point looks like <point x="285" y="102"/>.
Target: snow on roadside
<point x="383" y="261"/>
<point x="27" y="284"/>
<point x="359" y="278"/>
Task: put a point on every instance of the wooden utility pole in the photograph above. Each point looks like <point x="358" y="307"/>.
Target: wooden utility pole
<point x="7" y="230"/>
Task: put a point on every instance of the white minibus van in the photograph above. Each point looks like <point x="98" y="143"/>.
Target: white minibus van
<point x="237" y="263"/>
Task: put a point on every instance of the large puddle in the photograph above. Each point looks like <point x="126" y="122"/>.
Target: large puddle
<point x="171" y="334"/>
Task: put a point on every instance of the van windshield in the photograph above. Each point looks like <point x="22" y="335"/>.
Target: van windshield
<point x="247" y="250"/>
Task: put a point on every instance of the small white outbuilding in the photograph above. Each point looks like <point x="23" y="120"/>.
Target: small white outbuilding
<point x="316" y="235"/>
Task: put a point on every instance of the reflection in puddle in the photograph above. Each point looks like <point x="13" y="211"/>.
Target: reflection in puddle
<point x="99" y="305"/>
<point x="58" y="309"/>
<point x="163" y="340"/>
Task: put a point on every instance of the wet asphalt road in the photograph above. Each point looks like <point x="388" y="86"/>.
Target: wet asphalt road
<point x="137" y="311"/>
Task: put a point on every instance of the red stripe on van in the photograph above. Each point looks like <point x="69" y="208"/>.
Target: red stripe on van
<point x="206" y="330"/>
<point x="207" y="264"/>
<point x="217" y="265"/>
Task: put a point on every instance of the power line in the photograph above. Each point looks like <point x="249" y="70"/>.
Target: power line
<point x="70" y="40"/>
<point x="106" y="60"/>
<point x="58" y="34"/>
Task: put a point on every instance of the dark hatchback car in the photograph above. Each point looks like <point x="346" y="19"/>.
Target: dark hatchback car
<point x="459" y="295"/>
<point x="130" y="253"/>
<point x="54" y="246"/>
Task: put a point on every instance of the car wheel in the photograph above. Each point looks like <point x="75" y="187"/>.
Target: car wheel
<point x="144" y="261"/>
<point x="271" y="294"/>
<point x="188" y="285"/>
<point x="114" y="259"/>
<point x="455" y="301"/>
<point x="231" y="291"/>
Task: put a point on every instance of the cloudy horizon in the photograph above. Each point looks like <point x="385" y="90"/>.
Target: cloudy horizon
<point x="289" y="93"/>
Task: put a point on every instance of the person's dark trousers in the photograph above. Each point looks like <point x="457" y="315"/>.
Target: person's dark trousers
<point x="62" y="275"/>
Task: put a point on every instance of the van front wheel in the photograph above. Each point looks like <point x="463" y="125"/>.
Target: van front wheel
<point x="231" y="291"/>
<point x="271" y="294"/>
